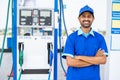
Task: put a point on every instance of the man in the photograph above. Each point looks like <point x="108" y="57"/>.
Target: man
<point x="85" y="49"/>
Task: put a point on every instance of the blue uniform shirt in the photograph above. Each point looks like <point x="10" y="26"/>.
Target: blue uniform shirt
<point x="79" y="43"/>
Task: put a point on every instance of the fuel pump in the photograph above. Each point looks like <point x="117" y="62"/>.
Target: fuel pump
<point x="35" y="33"/>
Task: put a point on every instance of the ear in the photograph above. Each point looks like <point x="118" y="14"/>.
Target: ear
<point x="78" y="17"/>
<point x="93" y="18"/>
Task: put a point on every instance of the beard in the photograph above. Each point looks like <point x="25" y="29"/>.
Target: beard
<point x="86" y="26"/>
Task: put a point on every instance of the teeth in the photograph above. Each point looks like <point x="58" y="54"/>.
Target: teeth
<point x="86" y="22"/>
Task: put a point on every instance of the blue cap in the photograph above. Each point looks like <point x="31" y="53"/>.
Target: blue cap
<point x="86" y="9"/>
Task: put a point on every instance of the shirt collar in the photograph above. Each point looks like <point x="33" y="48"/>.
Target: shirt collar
<point x="80" y="32"/>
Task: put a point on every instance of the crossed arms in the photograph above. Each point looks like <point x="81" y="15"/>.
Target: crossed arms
<point x="82" y="61"/>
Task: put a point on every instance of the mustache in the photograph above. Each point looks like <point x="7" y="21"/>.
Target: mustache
<point x="86" y="20"/>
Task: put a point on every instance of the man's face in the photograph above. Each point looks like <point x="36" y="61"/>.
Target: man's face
<point x="86" y="19"/>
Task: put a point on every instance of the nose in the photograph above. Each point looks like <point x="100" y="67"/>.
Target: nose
<point x="86" y="18"/>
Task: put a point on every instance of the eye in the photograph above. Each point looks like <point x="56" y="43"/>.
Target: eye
<point x="83" y="16"/>
<point x="89" y="16"/>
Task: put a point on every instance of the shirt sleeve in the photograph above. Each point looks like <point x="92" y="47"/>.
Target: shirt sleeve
<point x="103" y="46"/>
<point x="69" y="48"/>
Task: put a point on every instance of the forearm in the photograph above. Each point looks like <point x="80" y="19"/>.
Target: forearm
<point x="76" y="62"/>
<point x="93" y="60"/>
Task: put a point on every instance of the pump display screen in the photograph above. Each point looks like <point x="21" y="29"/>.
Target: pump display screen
<point x="45" y="18"/>
<point x="45" y="13"/>
<point x="25" y="17"/>
<point x="25" y="13"/>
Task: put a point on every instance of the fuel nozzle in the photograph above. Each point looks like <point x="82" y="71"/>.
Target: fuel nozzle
<point x="21" y="49"/>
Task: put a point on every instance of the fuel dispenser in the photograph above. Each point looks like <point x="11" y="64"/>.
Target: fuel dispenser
<point x="35" y="37"/>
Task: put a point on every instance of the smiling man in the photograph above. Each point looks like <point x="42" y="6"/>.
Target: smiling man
<point x="85" y="49"/>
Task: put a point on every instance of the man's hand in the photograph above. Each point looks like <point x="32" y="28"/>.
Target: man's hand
<point x="75" y="62"/>
<point x="99" y="58"/>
